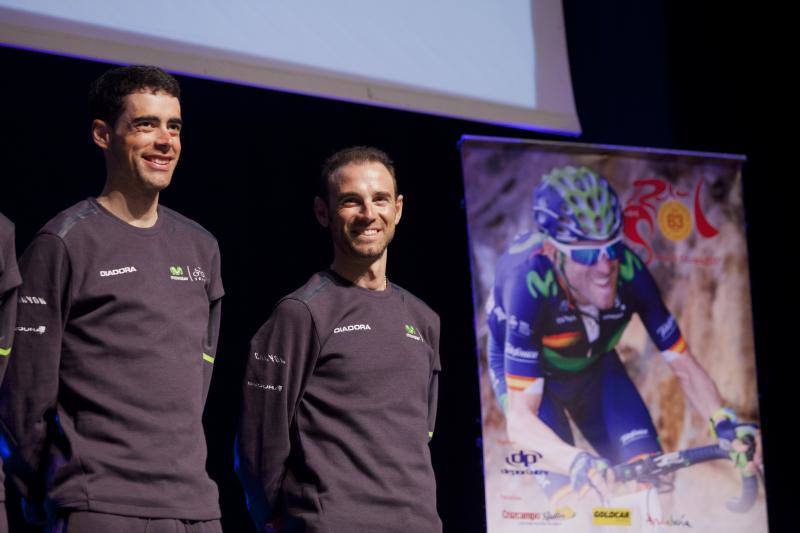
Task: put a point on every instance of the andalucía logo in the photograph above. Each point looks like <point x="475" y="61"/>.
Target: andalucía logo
<point x="413" y="333"/>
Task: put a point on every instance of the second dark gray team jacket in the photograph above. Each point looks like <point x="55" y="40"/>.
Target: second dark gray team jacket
<point x="339" y="402"/>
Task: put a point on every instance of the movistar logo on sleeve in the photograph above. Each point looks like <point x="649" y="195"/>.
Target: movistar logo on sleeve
<point x="413" y="333"/>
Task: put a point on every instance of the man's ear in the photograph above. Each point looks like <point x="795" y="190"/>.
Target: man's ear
<point x="399" y="206"/>
<point x="321" y="212"/>
<point x="101" y="133"/>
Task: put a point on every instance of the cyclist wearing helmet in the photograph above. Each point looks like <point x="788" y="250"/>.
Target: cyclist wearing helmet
<point x="561" y="300"/>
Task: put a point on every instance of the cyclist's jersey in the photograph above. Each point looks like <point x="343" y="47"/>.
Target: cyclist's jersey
<point x="536" y="329"/>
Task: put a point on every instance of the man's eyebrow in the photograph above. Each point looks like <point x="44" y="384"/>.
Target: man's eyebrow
<point x="153" y="118"/>
<point x="145" y="118"/>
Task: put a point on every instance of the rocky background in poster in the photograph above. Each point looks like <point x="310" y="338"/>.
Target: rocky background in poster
<point x="684" y="218"/>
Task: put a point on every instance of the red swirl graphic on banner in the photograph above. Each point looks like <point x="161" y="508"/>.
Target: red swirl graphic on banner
<point x="642" y="207"/>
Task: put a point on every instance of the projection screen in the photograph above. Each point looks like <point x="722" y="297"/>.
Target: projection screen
<point x="497" y="62"/>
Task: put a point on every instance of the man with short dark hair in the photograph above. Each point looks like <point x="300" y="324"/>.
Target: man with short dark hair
<point x="341" y="383"/>
<point x="102" y="404"/>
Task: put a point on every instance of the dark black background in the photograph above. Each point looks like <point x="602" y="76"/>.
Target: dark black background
<point x="660" y="73"/>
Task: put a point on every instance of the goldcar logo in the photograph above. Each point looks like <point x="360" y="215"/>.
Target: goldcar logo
<point x="607" y="516"/>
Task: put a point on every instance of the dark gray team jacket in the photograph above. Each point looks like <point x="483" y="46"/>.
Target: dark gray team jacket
<point x="115" y="340"/>
<point x="9" y="281"/>
<point x="339" y="404"/>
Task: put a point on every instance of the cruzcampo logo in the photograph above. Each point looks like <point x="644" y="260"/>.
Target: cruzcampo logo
<point x="412" y="333"/>
<point x="176" y="271"/>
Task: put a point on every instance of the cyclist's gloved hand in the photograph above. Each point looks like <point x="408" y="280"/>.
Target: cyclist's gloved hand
<point x="739" y="440"/>
<point x="590" y="472"/>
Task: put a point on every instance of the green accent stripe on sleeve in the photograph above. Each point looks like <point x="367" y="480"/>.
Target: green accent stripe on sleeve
<point x="430" y="434"/>
<point x="5" y="352"/>
<point x="208" y="358"/>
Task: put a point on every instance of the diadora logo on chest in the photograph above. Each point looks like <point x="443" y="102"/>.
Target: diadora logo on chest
<point x="352" y="327"/>
<point x="117" y="271"/>
<point x="179" y="273"/>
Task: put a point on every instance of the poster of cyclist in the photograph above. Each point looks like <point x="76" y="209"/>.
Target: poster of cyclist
<point x="614" y="327"/>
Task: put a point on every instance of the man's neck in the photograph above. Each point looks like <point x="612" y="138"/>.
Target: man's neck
<point x="370" y="276"/>
<point x="139" y="210"/>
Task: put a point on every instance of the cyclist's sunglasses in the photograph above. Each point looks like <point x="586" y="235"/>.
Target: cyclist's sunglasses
<point x="587" y="254"/>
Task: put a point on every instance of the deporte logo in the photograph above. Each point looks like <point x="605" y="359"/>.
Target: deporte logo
<point x="607" y="516"/>
<point x="352" y="327"/>
<point x="117" y="271"/>
<point x="523" y="458"/>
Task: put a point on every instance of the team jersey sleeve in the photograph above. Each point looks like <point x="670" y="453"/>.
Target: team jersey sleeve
<point x="521" y="349"/>
<point x="280" y="363"/>
<point x="29" y="390"/>
<point x="9" y="281"/>
<point x="433" y="386"/>
<point x="210" y="344"/>
<point x="211" y="340"/>
<point x="641" y="288"/>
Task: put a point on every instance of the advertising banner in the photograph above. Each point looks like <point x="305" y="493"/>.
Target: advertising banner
<point x="615" y="338"/>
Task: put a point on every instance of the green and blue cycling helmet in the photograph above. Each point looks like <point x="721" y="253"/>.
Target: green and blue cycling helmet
<point x="576" y="204"/>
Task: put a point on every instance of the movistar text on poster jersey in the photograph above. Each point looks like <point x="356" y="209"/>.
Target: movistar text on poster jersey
<point x="536" y="330"/>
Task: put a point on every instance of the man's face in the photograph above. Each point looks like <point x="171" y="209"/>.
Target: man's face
<point x="362" y="211"/>
<point x="144" y="144"/>
<point x="592" y="284"/>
